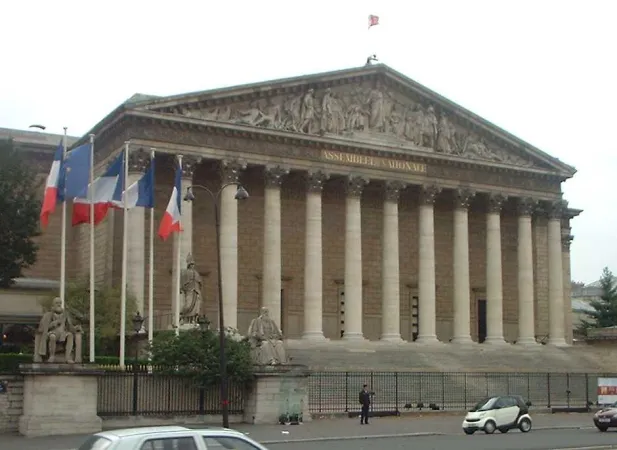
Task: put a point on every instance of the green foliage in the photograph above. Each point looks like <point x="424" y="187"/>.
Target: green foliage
<point x="605" y="308"/>
<point x="19" y="220"/>
<point x="195" y="354"/>
<point x="106" y="314"/>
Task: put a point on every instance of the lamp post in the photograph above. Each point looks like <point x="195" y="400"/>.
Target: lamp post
<point x="138" y="322"/>
<point x="241" y="194"/>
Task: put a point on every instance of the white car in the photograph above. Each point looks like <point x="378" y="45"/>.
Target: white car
<point x="501" y="412"/>
<point x="170" y="438"/>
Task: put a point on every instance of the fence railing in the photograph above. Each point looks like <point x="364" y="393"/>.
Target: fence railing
<point x="337" y="392"/>
<point x="143" y="393"/>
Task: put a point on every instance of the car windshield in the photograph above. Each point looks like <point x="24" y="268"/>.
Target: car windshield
<point x="485" y="404"/>
<point x="95" y="443"/>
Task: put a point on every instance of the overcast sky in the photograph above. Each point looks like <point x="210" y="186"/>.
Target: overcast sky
<point x="543" y="70"/>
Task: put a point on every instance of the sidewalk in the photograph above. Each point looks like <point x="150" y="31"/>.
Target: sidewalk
<point x="331" y="429"/>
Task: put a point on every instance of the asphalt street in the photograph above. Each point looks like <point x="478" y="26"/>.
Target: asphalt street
<point x="534" y="440"/>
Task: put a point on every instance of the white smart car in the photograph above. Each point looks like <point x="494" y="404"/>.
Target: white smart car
<point x="501" y="412"/>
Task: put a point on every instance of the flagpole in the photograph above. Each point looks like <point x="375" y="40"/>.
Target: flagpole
<point x="125" y="169"/>
<point x="151" y="269"/>
<point x="178" y="268"/>
<point x="92" y="293"/>
<point x="63" y="232"/>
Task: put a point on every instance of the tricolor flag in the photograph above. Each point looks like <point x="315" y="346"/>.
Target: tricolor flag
<point x="171" y="218"/>
<point x="103" y="188"/>
<point x="138" y="194"/>
<point x="52" y="188"/>
<point x="373" y="20"/>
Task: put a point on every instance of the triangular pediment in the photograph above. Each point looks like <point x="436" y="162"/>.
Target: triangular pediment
<point x="374" y="105"/>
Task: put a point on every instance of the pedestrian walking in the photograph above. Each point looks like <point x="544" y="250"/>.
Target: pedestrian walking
<point x="365" y="401"/>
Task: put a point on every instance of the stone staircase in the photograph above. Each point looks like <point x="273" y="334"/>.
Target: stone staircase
<point x="449" y="376"/>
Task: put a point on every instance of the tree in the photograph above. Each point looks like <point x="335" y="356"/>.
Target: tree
<point x="195" y="355"/>
<point x="19" y="217"/>
<point x="604" y="312"/>
<point x="106" y="313"/>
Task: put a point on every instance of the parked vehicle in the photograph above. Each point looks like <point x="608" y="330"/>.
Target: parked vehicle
<point x="170" y="438"/>
<point x="606" y="418"/>
<point x="501" y="412"/>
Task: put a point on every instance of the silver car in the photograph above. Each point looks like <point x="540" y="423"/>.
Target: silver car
<point x="170" y="438"/>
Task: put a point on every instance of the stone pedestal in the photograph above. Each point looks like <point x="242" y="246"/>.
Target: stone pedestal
<point x="59" y="399"/>
<point x="276" y="391"/>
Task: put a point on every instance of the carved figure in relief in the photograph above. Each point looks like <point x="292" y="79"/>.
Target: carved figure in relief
<point x="307" y="112"/>
<point x="355" y="118"/>
<point x="445" y="136"/>
<point x="338" y="114"/>
<point x="413" y="126"/>
<point x="396" y="124"/>
<point x="375" y="102"/>
<point x="428" y="127"/>
<point x="326" y="112"/>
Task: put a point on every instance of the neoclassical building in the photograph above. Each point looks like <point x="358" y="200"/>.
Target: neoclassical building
<point x="378" y="210"/>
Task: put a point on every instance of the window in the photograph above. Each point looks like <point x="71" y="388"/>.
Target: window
<point x="509" y="402"/>
<point x="227" y="443"/>
<point x="95" y="443"/>
<point x="179" y="443"/>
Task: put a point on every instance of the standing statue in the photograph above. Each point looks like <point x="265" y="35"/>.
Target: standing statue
<point x="190" y="288"/>
<point x="266" y="340"/>
<point x="56" y="328"/>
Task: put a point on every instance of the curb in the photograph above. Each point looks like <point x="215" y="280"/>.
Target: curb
<point x="350" y="438"/>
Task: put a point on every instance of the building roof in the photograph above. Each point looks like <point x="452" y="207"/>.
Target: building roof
<point x="35" y="138"/>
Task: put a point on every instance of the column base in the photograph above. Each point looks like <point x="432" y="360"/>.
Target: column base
<point x="558" y="342"/>
<point x="527" y="341"/>
<point x="462" y="340"/>
<point x="428" y="339"/>
<point x="356" y="337"/>
<point x="394" y="338"/>
<point x="495" y="340"/>
<point x="314" y="336"/>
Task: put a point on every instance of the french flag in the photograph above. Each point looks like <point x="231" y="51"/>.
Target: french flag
<point x="103" y="189"/>
<point x="171" y="219"/>
<point x="140" y="194"/>
<point x="52" y="188"/>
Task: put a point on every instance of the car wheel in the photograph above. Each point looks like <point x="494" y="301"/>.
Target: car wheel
<point x="468" y="431"/>
<point x="504" y="430"/>
<point x="524" y="425"/>
<point x="489" y="427"/>
<point x="602" y="428"/>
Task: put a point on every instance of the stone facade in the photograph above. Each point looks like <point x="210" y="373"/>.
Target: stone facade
<point x="11" y="403"/>
<point x="473" y="260"/>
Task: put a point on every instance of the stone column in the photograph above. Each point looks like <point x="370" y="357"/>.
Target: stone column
<point x="461" y="305"/>
<point x="353" y="259"/>
<point x="526" y="314"/>
<point x="230" y="173"/>
<point x="136" y="251"/>
<point x="427" y="315"/>
<point x="185" y="238"/>
<point x="313" y="259"/>
<point x="271" y="287"/>
<point x="566" y="240"/>
<point x="390" y="283"/>
<point x="494" y="287"/>
<point x="556" y="319"/>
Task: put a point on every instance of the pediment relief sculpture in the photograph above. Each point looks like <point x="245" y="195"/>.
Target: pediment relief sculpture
<point x="363" y="112"/>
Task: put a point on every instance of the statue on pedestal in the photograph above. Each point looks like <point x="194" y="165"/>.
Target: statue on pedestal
<point x="190" y="288"/>
<point x="56" y="329"/>
<point x="266" y="340"/>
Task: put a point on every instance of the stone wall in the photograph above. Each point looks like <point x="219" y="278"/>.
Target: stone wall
<point x="11" y="402"/>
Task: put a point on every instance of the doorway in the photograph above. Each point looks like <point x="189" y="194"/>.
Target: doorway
<point x="481" y="321"/>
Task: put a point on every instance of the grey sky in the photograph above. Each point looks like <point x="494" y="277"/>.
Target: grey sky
<point x="543" y="70"/>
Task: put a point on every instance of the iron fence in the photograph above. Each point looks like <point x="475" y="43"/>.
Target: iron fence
<point x="337" y="392"/>
<point x="143" y="393"/>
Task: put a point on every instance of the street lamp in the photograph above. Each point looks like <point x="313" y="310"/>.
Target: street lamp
<point x="241" y="194"/>
<point x="138" y="322"/>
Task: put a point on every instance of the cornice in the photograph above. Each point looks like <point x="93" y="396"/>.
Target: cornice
<point x="332" y="143"/>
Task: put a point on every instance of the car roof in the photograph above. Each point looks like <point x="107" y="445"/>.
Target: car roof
<point x="138" y="431"/>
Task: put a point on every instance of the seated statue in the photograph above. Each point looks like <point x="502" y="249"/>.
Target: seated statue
<point x="56" y="330"/>
<point x="266" y="340"/>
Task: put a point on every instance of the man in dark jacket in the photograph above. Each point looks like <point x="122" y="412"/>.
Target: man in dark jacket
<point x="365" y="401"/>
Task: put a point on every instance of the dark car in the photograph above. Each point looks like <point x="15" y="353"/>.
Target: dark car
<point x="606" y="418"/>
